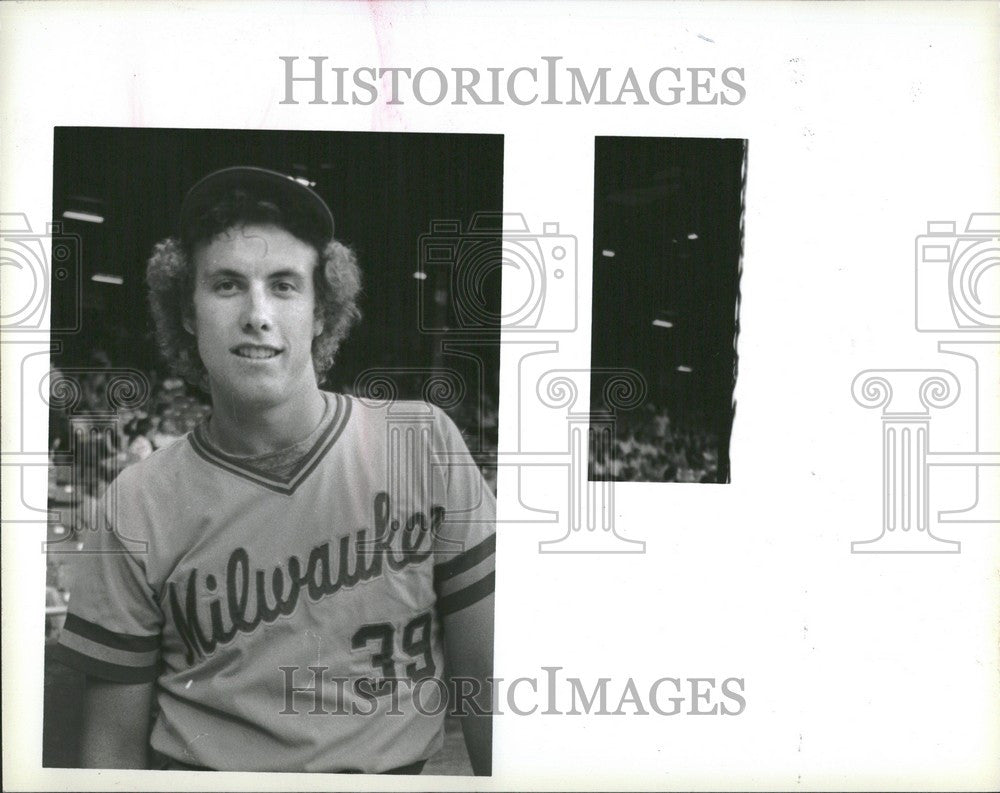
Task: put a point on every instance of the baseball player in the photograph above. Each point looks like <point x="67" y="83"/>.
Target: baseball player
<point x="294" y="585"/>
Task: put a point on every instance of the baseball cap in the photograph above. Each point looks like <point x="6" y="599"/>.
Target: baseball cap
<point x="283" y="190"/>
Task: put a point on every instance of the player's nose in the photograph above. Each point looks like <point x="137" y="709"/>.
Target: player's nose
<point x="256" y="313"/>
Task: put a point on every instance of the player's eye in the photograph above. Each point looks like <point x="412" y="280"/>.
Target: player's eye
<point x="284" y="287"/>
<point x="224" y="287"/>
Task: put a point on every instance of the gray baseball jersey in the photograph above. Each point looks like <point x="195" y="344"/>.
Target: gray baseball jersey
<point x="290" y="620"/>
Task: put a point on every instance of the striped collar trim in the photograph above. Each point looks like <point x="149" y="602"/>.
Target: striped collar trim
<point x="309" y="461"/>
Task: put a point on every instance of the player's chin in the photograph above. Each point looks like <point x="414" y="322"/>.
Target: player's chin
<point x="254" y="389"/>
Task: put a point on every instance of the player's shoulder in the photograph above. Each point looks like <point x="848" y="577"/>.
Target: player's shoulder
<point x="370" y="409"/>
<point x="165" y="465"/>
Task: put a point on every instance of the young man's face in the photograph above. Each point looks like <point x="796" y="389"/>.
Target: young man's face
<point x="254" y="315"/>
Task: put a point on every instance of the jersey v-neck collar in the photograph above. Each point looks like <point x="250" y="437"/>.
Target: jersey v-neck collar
<point x="288" y="484"/>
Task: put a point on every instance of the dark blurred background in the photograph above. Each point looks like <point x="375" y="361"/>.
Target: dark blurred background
<point x="667" y="241"/>
<point x="384" y="189"/>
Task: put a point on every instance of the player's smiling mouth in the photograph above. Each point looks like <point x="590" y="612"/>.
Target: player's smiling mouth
<point x="255" y="352"/>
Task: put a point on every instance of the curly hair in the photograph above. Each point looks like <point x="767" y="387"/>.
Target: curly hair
<point x="170" y="277"/>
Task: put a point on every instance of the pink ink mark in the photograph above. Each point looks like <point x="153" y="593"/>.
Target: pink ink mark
<point x="135" y="102"/>
<point x="384" y="115"/>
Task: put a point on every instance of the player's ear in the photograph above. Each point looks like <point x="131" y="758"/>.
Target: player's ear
<point x="188" y="322"/>
<point x="317" y="327"/>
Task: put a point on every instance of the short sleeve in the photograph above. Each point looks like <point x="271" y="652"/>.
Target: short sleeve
<point x="465" y="533"/>
<point x="113" y="627"/>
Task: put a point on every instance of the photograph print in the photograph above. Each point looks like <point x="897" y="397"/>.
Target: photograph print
<point x="668" y="223"/>
<point x="272" y="447"/>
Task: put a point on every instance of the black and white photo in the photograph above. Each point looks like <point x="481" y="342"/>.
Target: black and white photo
<point x="260" y="574"/>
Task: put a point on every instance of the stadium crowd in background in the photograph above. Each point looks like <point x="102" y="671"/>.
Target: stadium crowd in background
<point x="650" y="447"/>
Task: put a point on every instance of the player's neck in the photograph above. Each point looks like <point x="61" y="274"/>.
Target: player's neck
<point x="243" y="430"/>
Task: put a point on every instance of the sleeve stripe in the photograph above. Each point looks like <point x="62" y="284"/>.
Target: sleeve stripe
<point x="107" y="654"/>
<point x="104" y="670"/>
<point x="467" y="560"/>
<point x="466" y="597"/>
<point x="118" y="641"/>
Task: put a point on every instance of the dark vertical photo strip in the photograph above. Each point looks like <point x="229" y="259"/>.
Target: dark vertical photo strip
<point x="273" y="438"/>
<point x="668" y="229"/>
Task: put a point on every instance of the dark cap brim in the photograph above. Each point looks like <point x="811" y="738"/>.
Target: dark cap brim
<point x="284" y="191"/>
